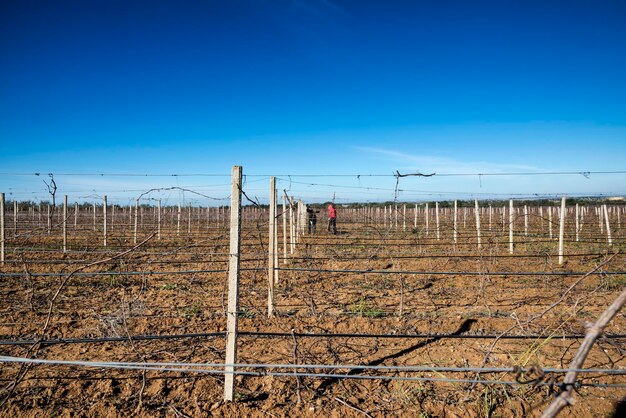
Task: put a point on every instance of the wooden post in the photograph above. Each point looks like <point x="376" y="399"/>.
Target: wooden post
<point x="561" y="230"/>
<point x="178" y="221"/>
<point x="511" y="218"/>
<point x="464" y="217"/>
<point x="104" y="216"/>
<point x="476" y="211"/>
<point x="577" y="214"/>
<point x="490" y="224"/>
<point x="292" y="227"/>
<point x="437" y="218"/>
<point x="608" y="226"/>
<point x="525" y="220"/>
<point x="426" y="215"/>
<point x="404" y="217"/>
<point x="49" y="221"/>
<point x="276" y="239"/>
<point x="270" y="249"/>
<point x="94" y="217"/>
<point x="75" y="214"/>
<point x="415" y="218"/>
<point x="64" y="223"/>
<point x="299" y="223"/>
<point x="189" y="220"/>
<point x="600" y="215"/>
<point x="385" y="216"/>
<point x="2" y="236"/>
<point x="233" y="284"/>
<point x="15" y="214"/>
<point x="284" y="230"/>
<point x="159" y="219"/>
<point x="136" y="219"/>
<point x="395" y="225"/>
<point x="550" y="221"/>
<point x="454" y="222"/>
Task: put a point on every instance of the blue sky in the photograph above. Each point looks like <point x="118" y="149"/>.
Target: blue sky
<point x="313" y="87"/>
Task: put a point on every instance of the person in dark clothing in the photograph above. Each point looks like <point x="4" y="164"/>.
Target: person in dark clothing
<point x="332" y="219"/>
<point x="312" y="219"/>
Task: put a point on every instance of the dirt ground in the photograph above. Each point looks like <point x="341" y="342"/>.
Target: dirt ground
<point x="403" y="282"/>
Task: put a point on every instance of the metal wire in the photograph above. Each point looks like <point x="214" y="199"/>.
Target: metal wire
<point x="290" y="335"/>
<point x="454" y="273"/>
<point x="215" y="368"/>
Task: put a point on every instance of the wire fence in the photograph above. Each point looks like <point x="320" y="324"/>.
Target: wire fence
<point x="412" y="273"/>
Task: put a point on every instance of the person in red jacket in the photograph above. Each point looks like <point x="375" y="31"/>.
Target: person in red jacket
<point x="332" y="218"/>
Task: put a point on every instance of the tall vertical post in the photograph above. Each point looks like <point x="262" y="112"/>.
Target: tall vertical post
<point x="284" y="216"/>
<point x="577" y="214"/>
<point x="561" y="230"/>
<point x="383" y="214"/>
<point x="2" y="236"/>
<point x="276" y="238"/>
<point x="233" y="284"/>
<point x="525" y="220"/>
<point x="511" y="219"/>
<point x="299" y="223"/>
<point x="454" y="222"/>
<point x="395" y="225"/>
<point x="437" y="218"/>
<point x="414" y="217"/>
<point x="550" y="221"/>
<point x="104" y="219"/>
<point x="608" y="226"/>
<point x="94" y="216"/>
<point x="426" y="215"/>
<point x="136" y="219"/>
<point x="189" y="220"/>
<point x="159" y="219"/>
<point x="64" y="223"/>
<point x="476" y="211"/>
<point x="270" y="249"/>
<point x="49" y="221"/>
<point x="600" y="216"/>
<point x="75" y="214"/>
<point x="16" y="210"/>
<point x="404" y="217"/>
<point x="178" y="221"/>
<point x="292" y="227"/>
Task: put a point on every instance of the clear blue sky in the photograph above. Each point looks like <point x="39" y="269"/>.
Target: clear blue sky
<point x="313" y="87"/>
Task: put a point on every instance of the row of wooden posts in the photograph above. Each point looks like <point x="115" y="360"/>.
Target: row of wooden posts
<point x="390" y="215"/>
<point x="367" y="214"/>
<point x="296" y="214"/>
<point x="385" y="216"/>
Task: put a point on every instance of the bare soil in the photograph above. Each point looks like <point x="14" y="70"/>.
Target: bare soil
<point x="369" y="301"/>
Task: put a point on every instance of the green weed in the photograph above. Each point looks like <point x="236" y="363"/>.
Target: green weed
<point x="362" y="308"/>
